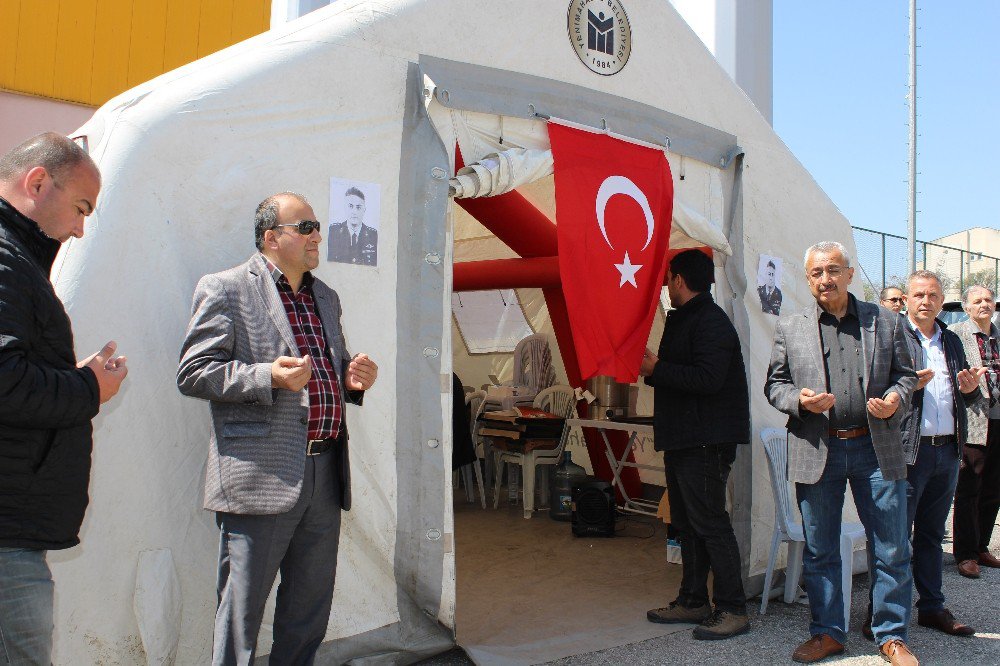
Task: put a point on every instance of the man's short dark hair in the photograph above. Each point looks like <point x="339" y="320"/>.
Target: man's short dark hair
<point x="882" y="295"/>
<point x="49" y="150"/>
<point x="770" y="264"/>
<point x="266" y="216"/>
<point x="353" y="191"/>
<point x="696" y="268"/>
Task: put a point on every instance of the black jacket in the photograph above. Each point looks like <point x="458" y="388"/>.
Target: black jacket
<point x="700" y="391"/>
<point x="46" y="402"/>
<point x="954" y="356"/>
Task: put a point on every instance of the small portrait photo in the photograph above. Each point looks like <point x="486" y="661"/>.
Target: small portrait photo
<point x="352" y="237"/>
<point x="769" y="284"/>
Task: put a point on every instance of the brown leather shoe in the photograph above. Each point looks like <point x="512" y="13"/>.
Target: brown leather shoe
<point x="818" y="647"/>
<point x="968" y="568"/>
<point x="988" y="560"/>
<point x="944" y="621"/>
<point x="897" y="654"/>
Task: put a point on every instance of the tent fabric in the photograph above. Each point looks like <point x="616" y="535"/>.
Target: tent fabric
<point x="343" y="93"/>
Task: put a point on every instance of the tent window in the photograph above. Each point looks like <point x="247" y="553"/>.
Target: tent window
<point x="490" y="321"/>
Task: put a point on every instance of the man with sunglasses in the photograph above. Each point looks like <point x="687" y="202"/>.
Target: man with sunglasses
<point x="893" y="299"/>
<point x="266" y="348"/>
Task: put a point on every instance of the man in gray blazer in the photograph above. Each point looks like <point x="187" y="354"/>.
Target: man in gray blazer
<point x="266" y="349"/>
<point x="841" y="371"/>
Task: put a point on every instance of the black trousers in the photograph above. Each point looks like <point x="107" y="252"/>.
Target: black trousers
<point x="696" y="487"/>
<point x="977" y="496"/>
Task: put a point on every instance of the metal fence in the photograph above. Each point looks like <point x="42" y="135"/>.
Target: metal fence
<point x="883" y="262"/>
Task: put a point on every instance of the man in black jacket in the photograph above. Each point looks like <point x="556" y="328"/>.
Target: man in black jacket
<point x="48" y="186"/>
<point x="701" y="410"/>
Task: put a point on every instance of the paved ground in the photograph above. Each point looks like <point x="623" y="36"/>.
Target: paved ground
<point x="775" y="635"/>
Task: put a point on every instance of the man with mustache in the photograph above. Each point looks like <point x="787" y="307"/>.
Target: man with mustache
<point x="841" y="371"/>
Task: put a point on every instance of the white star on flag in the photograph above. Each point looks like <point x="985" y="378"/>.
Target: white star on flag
<point x="628" y="271"/>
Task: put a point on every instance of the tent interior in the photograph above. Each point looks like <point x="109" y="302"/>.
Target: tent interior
<point x="527" y="589"/>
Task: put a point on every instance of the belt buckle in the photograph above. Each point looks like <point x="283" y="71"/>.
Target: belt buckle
<point x="309" y="447"/>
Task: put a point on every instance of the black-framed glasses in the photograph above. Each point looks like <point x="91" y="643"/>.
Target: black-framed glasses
<point x="304" y="227"/>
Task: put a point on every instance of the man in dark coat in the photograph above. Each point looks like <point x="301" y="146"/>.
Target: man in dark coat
<point x="701" y="413"/>
<point x="352" y="241"/>
<point x="769" y="294"/>
<point x="48" y="186"/>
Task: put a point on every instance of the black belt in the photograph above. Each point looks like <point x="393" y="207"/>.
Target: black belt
<point x="318" y="446"/>
<point x="938" y="440"/>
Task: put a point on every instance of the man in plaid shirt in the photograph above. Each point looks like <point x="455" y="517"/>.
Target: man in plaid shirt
<point x="266" y="349"/>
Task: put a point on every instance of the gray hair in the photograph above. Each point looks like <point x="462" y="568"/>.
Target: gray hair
<point x="827" y="247"/>
<point x="49" y="150"/>
<point x="923" y="275"/>
<point x="266" y="216"/>
<point x="968" y="292"/>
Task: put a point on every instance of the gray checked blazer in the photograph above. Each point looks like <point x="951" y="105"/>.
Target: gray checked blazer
<point x="978" y="412"/>
<point x="257" y="449"/>
<point x="797" y="363"/>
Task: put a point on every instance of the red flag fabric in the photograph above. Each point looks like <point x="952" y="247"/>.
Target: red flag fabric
<point x="613" y="208"/>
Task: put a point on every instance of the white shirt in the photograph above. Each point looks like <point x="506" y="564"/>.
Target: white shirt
<point x="938" y="417"/>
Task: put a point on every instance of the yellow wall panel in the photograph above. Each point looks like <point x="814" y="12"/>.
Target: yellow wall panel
<point x="10" y="12"/>
<point x="250" y="17"/>
<point x="112" y="37"/>
<point x="149" y="30"/>
<point x="74" y="50"/>
<point x="88" y="51"/>
<point x="216" y="26"/>
<point x="36" y="54"/>
<point x="182" y="26"/>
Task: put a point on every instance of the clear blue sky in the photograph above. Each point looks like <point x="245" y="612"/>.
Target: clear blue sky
<point x="840" y="85"/>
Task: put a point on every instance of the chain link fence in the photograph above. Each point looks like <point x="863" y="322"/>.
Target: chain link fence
<point x="883" y="262"/>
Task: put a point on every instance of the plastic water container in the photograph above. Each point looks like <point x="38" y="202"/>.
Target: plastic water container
<point x="561" y="502"/>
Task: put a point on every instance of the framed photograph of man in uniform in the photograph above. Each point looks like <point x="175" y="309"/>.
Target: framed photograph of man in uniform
<point x="352" y="237"/>
<point x="769" y="284"/>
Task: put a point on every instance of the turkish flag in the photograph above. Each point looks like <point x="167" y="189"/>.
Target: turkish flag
<point x="613" y="205"/>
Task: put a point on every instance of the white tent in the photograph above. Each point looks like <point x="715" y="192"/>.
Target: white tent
<point x="376" y="92"/>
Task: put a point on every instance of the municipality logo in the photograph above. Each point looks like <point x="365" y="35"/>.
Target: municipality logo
<point x="600" y="33"/>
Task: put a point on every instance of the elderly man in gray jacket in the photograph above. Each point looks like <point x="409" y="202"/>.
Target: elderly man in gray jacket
<point x="977" y="497"/>
<point x="266" y="349"/>
<point x="841" y="371"/>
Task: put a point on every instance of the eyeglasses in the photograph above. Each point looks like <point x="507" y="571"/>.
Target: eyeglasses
<point x="895" y="299"/>
<point x="304" y="227"/>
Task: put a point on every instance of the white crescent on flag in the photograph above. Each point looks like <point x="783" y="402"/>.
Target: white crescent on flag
<point x="613" y="185"/>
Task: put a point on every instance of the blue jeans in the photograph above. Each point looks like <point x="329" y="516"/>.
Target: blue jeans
<point x="25" y="607"/>
<point x="930" y="488"/>
<point x="881" y="506"/>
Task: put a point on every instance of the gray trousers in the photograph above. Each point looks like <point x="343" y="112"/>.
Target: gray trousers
<point x="302" y="544"/>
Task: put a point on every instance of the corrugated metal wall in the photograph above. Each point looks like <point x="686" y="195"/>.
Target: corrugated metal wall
<point x="88" y="51"/>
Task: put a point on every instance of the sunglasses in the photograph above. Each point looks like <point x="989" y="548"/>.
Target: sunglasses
<point x="304" y="227"/>
<point x="895" y="299"/>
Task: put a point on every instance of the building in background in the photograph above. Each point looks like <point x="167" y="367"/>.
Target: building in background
<point x="61" y="59"/>
<point x="970" y="255"/>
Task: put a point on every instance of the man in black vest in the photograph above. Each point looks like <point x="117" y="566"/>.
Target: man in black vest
<point x="48" y="186"/>
<point x="701" y="409"/>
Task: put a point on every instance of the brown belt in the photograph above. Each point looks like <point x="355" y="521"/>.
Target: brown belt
<point x="850" y="433"/>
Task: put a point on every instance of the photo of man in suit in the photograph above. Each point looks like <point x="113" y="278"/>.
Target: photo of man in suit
<point x="265" y="347"/>
<point x="840" y="369"/>
<point x="770" y="295"/>
<point x="352" y="241"/>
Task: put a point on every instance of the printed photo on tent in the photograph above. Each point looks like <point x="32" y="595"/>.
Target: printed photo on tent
<point x="353" y="232"/>
<point x="769" y="284"/>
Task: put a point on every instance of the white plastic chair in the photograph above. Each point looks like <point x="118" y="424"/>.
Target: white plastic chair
<point x="474" y="402"/>
<point x="559" y="400"/>
<point x="533" y="371"/>
<point x="788" y="530"/>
